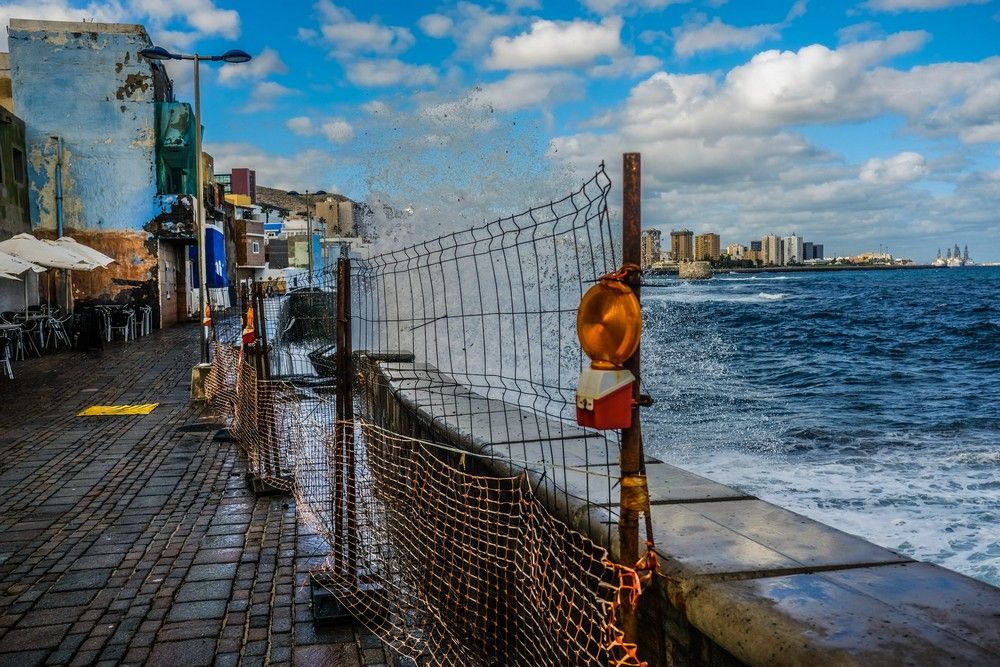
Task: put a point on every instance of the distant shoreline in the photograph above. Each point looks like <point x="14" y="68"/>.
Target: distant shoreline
<point x="810" y="269"/>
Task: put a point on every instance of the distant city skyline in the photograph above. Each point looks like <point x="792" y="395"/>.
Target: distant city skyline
<point x="864" y="122"/>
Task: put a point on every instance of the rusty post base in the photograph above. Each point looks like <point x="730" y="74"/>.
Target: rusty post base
<point x="198" y="376"/>
<point x="261" y="486"/>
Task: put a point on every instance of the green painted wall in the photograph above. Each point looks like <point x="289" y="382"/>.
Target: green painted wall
<point x="14" y="182"/>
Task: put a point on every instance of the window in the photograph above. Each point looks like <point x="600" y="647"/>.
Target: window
<point x="19" y="174"/>
<point x="255" y="247"/>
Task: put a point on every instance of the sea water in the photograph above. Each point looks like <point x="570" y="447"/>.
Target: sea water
<point x="867" y="400"/>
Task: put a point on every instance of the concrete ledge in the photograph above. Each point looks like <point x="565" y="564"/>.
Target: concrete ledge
<point x="746" y="582"/>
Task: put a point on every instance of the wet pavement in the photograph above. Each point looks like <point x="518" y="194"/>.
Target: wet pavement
<point x="133" y="539"/>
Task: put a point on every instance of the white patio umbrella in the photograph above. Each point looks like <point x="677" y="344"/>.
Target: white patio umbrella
<point x="11" y="265"/>
<point x="45" y="254"/>
<point x="42" y="253"/>
<point x="84" y="251"/>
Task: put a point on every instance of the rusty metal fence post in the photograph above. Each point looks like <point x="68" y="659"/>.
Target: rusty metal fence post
<point x="345" y="457"/>
<point x="634" y="494"/>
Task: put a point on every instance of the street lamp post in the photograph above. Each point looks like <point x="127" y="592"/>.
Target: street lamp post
<point x="231" y="56"/>
<point x="309" y="230"/>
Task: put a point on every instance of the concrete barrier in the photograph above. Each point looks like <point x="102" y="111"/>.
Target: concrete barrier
<point x="745" y="581"/>
<point x="694" y="270"/>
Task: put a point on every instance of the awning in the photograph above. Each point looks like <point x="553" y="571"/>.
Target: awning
<point x="48" y="254"/>
<point x="88" y="253"/>
<point x="8" y="276"/>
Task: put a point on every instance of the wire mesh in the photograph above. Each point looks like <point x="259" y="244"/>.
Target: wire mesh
<point x="456" y="568"/>
<point x="443" y="541"/>
<point x="489" y="316"/>
<point x="494" y="306"/>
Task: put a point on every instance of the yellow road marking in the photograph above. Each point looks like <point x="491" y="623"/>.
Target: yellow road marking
<point x="113" y="410"/>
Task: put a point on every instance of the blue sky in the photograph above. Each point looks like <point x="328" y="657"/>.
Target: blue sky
<point x="856" y="123"/>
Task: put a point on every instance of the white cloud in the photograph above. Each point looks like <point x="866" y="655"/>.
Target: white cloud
<point x="389" y="72"/>
<point x="901" y="168"/>
<point x="605" y="7"/>
<point x="557" y="43"/>
<point x="57" y="10"/>
<point x="436" y="25"/>
<point x="375" y="108"/>
<point x="626" y="66"/>
<point x="692" y="38"/>
<point x="337" y="130"/>
<point x="697" y="34"/>
<point x="265" y="94"/>
<point x="348" y="37"/>
<point x="475" y="26"/>
<point x="522" y="90"/>
<point x="718" y="149"/>
<point x="304" y="169"/>
<point x="301" y="125"/>
<point x="896" y="6"/>
<point x="163" y="18"/>
<point x="201" y="15"/>
<point x="263" y="65"/>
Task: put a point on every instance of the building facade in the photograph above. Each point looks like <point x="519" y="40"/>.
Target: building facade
<point x="706" y="247"/>
<point x="772" y="251"/>
<point x="792" y="249"/>
<point x="682" y="245"/>
<point x="337" y="216"/>
<point x="104" y="130"/>
<point x="735" y="251"/>
<point x="14" y="216"/>
<point x="243" y="182"/>
<point x="650" y="248"/>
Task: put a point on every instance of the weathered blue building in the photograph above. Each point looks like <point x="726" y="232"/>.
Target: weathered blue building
<point x="110" y="155"/>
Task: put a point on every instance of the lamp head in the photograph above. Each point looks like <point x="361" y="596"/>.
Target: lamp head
<point x="235" y="56"/>
<point x="609" y="324"/>
<point x="157" y="53"/>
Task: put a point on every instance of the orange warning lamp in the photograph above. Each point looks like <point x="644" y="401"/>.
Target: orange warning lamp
<point x="609" y="325"/>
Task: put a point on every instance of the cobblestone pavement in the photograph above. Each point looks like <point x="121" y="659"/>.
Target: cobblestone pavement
<point x="133" y="538"/>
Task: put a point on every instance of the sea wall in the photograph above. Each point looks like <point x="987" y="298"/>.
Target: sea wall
<point x="744" y="581"/>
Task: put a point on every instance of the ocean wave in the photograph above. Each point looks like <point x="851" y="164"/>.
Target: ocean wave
<point x="720" y="297"/>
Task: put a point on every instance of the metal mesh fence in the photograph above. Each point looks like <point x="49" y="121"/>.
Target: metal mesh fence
<point x="457" y="568"/>
<point x="432" y="546"/>
<point x="494" y="306"/>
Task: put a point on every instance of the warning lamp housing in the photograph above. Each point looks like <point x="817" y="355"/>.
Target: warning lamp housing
<point x="609" y="324"/>
<point x="604" y="399"/>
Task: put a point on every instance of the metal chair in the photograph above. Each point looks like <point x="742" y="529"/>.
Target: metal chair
<point x="60" y="331"/>
<point x="6" y="348"/>
<point x="121" y="320"/>
<point x="146" y="320"/>
<point x="29" y="329"/>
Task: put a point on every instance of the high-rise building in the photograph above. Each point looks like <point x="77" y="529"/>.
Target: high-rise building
<point x="817" y="251"/>
<point x="650" y="251"/>
<point x="706" y="247"/>
<point x="773" y="250"/>
<point x="755" y="246"/>
<point x="792" y="249"/>
<point x="807" y="250"/>
<point x="682" y="245"/>
<point x="735" y="250"/>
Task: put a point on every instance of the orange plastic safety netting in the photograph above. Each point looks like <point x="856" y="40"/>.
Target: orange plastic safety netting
<point x="452" y="566"/>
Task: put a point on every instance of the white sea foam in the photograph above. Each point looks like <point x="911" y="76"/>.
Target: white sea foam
<point x="896" y="498"/>
<point x="695" y="295"/>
